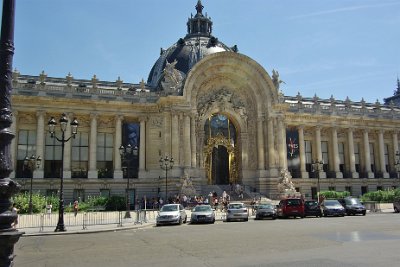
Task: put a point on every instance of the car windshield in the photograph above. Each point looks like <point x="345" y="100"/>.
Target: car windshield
<point x="331" y="203"/>
<point x="202" y="208"/>
<point x="311" y="203"/>
<point x="235" y="206"/>
<point x="352" y="201"/>
<point x="169" y="208"/>
<point x="265" y="206"/>
<point x="293" y="202"/>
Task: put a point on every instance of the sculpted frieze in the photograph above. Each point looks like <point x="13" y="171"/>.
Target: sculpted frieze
<point x="156" y="122"/>
<point x="106" y="122"/>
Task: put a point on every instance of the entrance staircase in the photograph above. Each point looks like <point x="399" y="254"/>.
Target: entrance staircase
<point x="248" y="193"/>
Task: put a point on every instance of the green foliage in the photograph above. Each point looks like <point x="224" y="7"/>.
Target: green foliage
<point x="385" y="196"/>
<point x="334" y="194"/>
<point x="39" y="202"/>
<point x="116" y="203"/>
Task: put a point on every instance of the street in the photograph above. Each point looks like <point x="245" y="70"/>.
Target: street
<point x="371" y="240"/>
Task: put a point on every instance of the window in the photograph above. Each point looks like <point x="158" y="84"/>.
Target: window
<point x="51" y="192"/>
<point x="26" y="148"/>
<point x="52" y="160"/>
<point x="79" y="194"/>
<point x="372" y="156"/>
<point x="325" y="155"/>
<point x="332" y="188"/>
<point x="364" y="190"/>
<point x="308" y="152"/>
<point x="349" y="189"/>
<point x="105" y="193"/>
<point x="386" y="148"/>
<point x="79" y="156"/>
<point x="105" y="146"/>
<point x="342" y="159"/>
<point x="379" y="188"/>
<point x="314" y="192"/>
<point x="357" y="156"/>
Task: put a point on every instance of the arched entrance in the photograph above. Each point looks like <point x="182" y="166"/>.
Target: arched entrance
<point x="220" y="151"/>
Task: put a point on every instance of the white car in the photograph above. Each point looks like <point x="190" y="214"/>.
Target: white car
<point x="237" y="211"/>
<point x="171" y="214"/>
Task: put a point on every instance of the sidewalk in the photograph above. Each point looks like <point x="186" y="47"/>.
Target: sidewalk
<point x="78" y="229"/>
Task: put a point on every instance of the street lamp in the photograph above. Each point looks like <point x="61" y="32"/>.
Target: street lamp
<point x="127" y="153"/>
<point x="31" y="164"/>
<point x="317" y="167"/>
<point x="397" y="166"/>
<point x="74" y="129"/>
<point x="166" y="164"/>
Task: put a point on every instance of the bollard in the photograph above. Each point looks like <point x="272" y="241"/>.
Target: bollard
<point x="84" y="220"/>
<point x="119" y="219"/>
<point x="41" y="223"/>
<point x="138" y="217"/>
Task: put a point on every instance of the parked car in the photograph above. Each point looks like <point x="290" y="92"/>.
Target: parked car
<point x="202" y="214"/>
<point x="332" y="207"/>
<point x="353" y="206"/>
<point x="266" y="210"/>
<point x="171" y="214"/>
<point x="291" y="207"/>
<point x="237" y="211"/>
<point x="396" y="205"/>
<point x="312" y="208"/>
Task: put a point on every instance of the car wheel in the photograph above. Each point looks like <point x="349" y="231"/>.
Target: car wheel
<point x="364" y="213"/>
<point x="325" y="215"/>
<point x="246" y="219"/>
<point x="396" y="210"/>
<point x="228" y="220"/>
<point x="185" y="220"/>
<point x="180" y="220"/>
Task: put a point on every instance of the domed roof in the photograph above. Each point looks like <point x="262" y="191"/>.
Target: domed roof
<point x="187" y="51"/>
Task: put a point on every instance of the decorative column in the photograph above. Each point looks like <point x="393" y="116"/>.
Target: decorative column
<point x="40" y="137"/>
<point x="260" y="144"/>
<point x="167" y="135"/>
<point x="193" y="140"/>
<point x="352" y="157"/>
<point x="271" y="147"/>
<point x="282" y="144"/>
<point x="175" y="138"/>
<point x="335" y="150"/>
<point x="302" y="151"/>
<point x="395" y="148"/>
<point x="186" y="140"/>
<point x="8" y="235"/>
<point x="93" y="173"/>
<point x="142" y="145"/>
<point x="382" y="161"/>
<point x="118" y="174"/>
<point x="367" y="155"/>
<point x="318" y="149"/>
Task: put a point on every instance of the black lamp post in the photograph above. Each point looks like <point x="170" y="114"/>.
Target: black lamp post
<point x="397" y="166"/>
<point x="74" y="129"/>
<point x="166" y="164"/>
<point x="317" y="167"/>
<point x="31" y="164"/>
<point x="127" y="153"/>
<point x="8" y="188"/>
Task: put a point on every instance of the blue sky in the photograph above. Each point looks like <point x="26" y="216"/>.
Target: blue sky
<point x="324" y="47"/>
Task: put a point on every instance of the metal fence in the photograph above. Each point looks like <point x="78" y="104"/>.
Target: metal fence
<point x="85" y="219"/>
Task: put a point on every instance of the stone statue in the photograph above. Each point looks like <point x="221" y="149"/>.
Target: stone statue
<point x="187" y="187"/>
<point x="173" y="79"/>
<point x="276" y="80"/>
<point x="286" y="185"/>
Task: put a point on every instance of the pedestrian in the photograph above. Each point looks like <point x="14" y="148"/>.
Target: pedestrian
<point x="15" y="210"/>
<point x="76" y="207"/>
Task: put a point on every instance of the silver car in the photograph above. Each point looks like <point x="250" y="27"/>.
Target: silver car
<point x="202" y="214"/>
<point x="237" y="211"/>
<point x="171" y="214"/>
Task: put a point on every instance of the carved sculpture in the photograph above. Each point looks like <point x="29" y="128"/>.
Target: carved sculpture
<point x="285" y="185"/>
<point x="173" y="79"/>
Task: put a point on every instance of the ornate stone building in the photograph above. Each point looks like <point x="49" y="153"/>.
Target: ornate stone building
<point x="217" y="112"/>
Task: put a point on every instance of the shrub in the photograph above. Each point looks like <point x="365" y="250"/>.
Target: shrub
<point x="334" y="194"/>
<point x="381" y="196"/>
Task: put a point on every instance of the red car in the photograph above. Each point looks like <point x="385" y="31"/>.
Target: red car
<point x="291" y="207"/>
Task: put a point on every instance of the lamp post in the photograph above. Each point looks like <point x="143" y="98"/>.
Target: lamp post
<point x="31" y="164"/>
<point x="8" y="188"/>
<point x="397" y="166"/>
<point x="74" y="129"/>
<point x="166" y="164"/>
<point x="127" y="153"/>
<point x="317" y="167"/>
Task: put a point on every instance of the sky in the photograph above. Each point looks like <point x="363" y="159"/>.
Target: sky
<point x="344" y="48"/>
